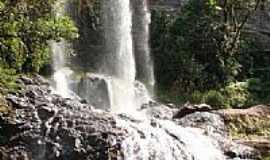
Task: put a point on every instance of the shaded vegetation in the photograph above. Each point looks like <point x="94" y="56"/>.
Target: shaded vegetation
<point x="26" y="30"/>
<point x="204" y="53"/>
<point x="89" y="47"/>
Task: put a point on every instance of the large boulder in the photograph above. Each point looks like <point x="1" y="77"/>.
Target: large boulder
<point x="95" y="89"/>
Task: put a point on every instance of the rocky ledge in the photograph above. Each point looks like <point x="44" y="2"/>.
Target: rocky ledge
<point x="45" y="126"/>
<point x="38" y="124"/>
<point x="250" y="127"/>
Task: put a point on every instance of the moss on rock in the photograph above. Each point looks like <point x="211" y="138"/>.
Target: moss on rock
<point x="250" y="127"/>
<point x="4" y="108"/>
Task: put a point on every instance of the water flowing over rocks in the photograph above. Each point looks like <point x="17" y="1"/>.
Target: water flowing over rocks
<point x="46" y="126"/>
<point x="96" y="89"/>
<point x="213" y="125"/>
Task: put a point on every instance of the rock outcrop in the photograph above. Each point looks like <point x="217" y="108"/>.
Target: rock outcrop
<point x="96" y="90"/>
<point x="46" y="126"/>
<point x="250" y="126"/>
<point x="189" y="109"/>
<point x="49" y="127"/>
<point x="213" y="125"/>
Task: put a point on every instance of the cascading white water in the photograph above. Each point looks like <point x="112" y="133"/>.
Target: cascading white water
<point x="150" y="77"/>
<point x="59" y="50"/>
<point x="62" y="73"/>
<point x="142" y="20"/>
<point x="120" y="62"/>
<point x="164" y="140"/>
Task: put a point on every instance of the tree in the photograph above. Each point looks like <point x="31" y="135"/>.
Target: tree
<point x="26" y="28"/>
<point x="200" y="47"/>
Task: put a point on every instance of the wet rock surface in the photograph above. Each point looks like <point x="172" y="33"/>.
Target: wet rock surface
<point x="95" y="90"/>
<point x="46" y="126"/>
<point x="210" y="122"/>
<point x="49" y="127"/>
<point x="213" y="124"/>
<point x="189" y="109"/>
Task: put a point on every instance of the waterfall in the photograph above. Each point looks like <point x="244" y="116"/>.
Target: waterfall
<point x="59" y="50"/>
<point x="165" y="140"/>
<point x="119" y="61"/>
<point x="126" y="35"/>
<point x="141" y="21"/>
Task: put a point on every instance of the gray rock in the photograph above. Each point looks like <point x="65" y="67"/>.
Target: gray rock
<point x="189" y="109"/>
<point x="95" y="90"/>
<point x="55" y="128"/>
<point x="213" y="125"/>
<point x="49" y="127"/>
<point x="160" y="111"/>
<point x="26" y="80"/>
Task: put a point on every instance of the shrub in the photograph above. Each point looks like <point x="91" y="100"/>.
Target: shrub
<point x="215" y="99"/>
<point x="7" y="80"/>
<point x="168" y="96"/>
<point x="196" y="97"/>
<point x="238" y="95"/>
<point x="259" y="89"/>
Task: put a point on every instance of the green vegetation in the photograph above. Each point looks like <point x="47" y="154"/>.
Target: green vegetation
<point x="205" y="53"/>
<point x="249" y="127"/>
<point x="3" y="105"/>
<point x="7" y="80"/>
<point x="87" y="15"/>
<point x="266" y="158"/>
<point x="214" y="98"/>
<point x="26" y="29"/>
<point x="252" y="129"/>
<point x="236" y="95"/>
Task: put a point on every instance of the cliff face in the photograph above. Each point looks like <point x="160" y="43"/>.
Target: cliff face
<point x="173" y="4"/>
<point x="259" y="25"/>
<point x="170" y="6"/>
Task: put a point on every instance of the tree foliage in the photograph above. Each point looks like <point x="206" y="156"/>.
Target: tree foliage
<point x="26" y="28"/>
<point x="205" y="47"/>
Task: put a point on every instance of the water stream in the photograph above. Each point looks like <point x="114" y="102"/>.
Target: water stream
<point x="119" y="61"/>
<point x="59" y="49"/>
<point x="164" y="140"/>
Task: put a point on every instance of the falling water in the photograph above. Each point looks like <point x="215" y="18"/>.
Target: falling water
<point x="59" y="50"/>
<point x="141" y="21"/>
<point x="119" y="62"/>
<point x="164" y="140"/>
